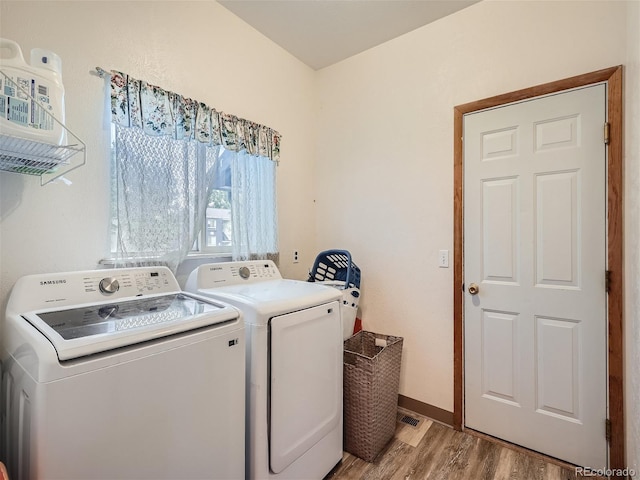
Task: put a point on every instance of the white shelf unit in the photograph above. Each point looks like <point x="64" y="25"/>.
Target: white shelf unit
<point x="31" y="157"/>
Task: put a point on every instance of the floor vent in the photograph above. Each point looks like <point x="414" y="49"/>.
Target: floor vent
<point x="410" y="420"/>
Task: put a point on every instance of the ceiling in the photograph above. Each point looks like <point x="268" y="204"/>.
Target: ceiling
<point x="323" y="32"/>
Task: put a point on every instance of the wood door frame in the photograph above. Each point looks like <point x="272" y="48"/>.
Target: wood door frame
<point x="615" y="243"/>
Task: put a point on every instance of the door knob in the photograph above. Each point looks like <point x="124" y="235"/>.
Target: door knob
<point x="474" y="289"/>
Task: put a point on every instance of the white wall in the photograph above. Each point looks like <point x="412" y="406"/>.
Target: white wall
<point x="198" y="49"/>
<point x="385" y="156"/>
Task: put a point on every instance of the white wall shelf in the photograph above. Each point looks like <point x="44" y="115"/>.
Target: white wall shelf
<point x="31" y="157"/>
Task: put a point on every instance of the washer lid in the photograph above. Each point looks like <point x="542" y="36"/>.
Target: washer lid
<point x="274" y="297"/>
<point x="85" y="330"/>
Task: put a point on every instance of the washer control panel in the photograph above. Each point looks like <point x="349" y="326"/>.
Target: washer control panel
<point x="132" y="282"/>
<point x="75" y="288"/>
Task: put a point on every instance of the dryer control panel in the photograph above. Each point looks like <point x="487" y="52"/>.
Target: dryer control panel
<point x="234" y="273"/>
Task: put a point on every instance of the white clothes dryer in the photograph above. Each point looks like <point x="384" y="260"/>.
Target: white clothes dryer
<point x="294" y="367"/>
<point x="117" y="374"/>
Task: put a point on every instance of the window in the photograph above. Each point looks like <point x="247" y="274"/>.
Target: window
<point x="160" y="191"/>
<point x="186" y="178"/>
<point x="216" y="234"/>
<point x="217" y="231"/>
<point x="215" y="227"/>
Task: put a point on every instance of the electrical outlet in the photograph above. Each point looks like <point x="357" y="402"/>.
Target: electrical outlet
<point x="296" y="256"/>
<point x="443" y="259"/>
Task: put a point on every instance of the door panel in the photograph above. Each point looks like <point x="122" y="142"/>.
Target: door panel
<point x="535" y="243"/>
<point x="500" y="232"/>
<point x="557" y="236"/>
<point x="558" y="345"/>
<point x="500" y="144"/>
<point x="305" y="382"/>
<point x="557" y="133"/>
<point x="499" y="336"/>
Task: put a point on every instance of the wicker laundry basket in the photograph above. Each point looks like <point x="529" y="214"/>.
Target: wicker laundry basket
<point x="371" y="381"/>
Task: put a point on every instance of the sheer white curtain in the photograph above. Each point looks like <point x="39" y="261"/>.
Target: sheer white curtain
<point x="254" y="217"/>
<point x="162" y="190"/>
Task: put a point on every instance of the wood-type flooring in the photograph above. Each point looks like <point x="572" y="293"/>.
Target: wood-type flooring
<point x="433" y="451"/>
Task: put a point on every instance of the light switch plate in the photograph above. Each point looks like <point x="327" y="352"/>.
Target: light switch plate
<point x="443" y="259"/>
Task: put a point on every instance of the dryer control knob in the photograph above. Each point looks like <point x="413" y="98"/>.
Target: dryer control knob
<point x="109" y="285"/>
<point x="245" y="272"/>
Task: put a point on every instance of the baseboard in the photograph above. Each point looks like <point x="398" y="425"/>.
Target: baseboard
<point x="435" y="413"/>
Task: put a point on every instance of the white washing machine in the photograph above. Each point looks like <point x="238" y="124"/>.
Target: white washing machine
<point x="117" y="374"/>
<point x="294" y="367"/>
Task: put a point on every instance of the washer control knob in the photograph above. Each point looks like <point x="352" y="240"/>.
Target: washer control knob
<point x="245" y="272"/>
<point x="109" y="285"/>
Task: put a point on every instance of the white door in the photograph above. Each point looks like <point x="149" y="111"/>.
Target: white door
<point x="535" y="244"/>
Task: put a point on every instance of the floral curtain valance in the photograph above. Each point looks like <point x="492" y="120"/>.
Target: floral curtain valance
<point x="135" y="103"/>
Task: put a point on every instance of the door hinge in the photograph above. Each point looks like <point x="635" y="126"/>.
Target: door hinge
<point x="607" y="281"/>
<point x="607" y="132"/>
<point x="607" y="430"/>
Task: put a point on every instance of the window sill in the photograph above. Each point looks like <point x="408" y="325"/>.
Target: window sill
<point x="110" y="262"/>
<point x="212" y="255"/>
